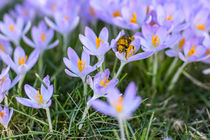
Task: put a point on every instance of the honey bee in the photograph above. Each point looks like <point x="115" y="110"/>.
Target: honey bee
<point x="124" y="43"/>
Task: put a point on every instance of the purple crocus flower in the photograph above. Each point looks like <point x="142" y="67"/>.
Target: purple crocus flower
<point x="101" y="84"/>
<point x="130" y="54"/>
<point x="168" y="139"/>
<point x="6" y="47"/>
<point x="13" y="30"/>
<point x="38" y="99"/>
<point x="5" y="83"/>
<point x="5" y="116"/>
<point x="154" y="38"/>
<point x="22" y="63"/>
<point x="119" y="106"/>
<point x="194" y="50"/>
<point x="66" y="19"/>
<point x="79" y="67"/>
<point x="206" y="71"/>
<point x="41" y="36"/>
<point x="4" y="3"/>
<point x="94" y="45"/>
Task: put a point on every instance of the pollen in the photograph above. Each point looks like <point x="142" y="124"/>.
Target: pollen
<point x="2" y="80"/>
<point x="39" y="98"/>
<point x="130" y="51"/>
<point x="155" y="41"/>
<point x="92" y="11"/>
<point x="207" y="52"/>
<point x="181" y="43"/>
<point x="25" y="12"/>
<point x="98" y="41"/>
<point x="104" y="82"/>
<point x="118" y="104"/>
<point x="43" y="37"/>
<point x="147" y="10"/>
<point x="134" y="18"/>
<point x="168" y="18"/>
<point x="116" y="14"/>
<point x="53" y="5"/>
<point x="66" y="18"/>
<point x="2" y="114"/>
<point x="22" y="60"/>
<point x="201" y="27"/>
<point x="81" y="65"/>
<point x="12" y="28"/>
<point x="192" y="51"/>
<point x="2" y="48"/>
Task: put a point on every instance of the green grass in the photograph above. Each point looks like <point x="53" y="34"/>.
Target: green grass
<point x="181" y="114"/>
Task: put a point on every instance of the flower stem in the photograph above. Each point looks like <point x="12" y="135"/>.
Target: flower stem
<point x="84" y="115"/>
<point x="155" y="67"/>
<point x="9" y="134"/>
<point x="84" y="87"/>
<point x="6" y="100"/>
<point x="115" y="64"/>
<point x="122" y="132"/>
<point x="176" y="76"/>
<point x="172" y="66"/>
<point x="20" y="83"/>
<point x="65" y="43"/>
<point x="122" y="64"/>
<point x="49" y="119"/>
<point x="40" y="62"/>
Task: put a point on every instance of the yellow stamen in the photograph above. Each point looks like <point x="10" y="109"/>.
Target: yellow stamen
<point x="92" y="11"/>
<point x="2" y="80"/>
<point x="39" y="98"/>
<point x="129" y="53"/>
<point x="104" y="82"/>
<point x="116" y="14"/>
<point x="25" y="12"/>
<point x="22" y="60"/>
<point x="98" y="41"/>
<point x="11" y="27"/>
<point x="43" y="37"/>
<point x="181" y="43"/>
<point x="169" y="17"/>
<point x="155" y="41"/>
<point x="66" y="18"/>
<point x="153" y="23"/>
<point x="134" y="19"/>
<point x="81" y="65"/>
<point x="2" y="47"/>
<point x="192" y="51"/>
<point x="2" y="114"/>
<point x="53" y="5"/>
<point x="201" y="27"/>
<point x="147" y="10"/>
<point x="118" y="105"/>
<point x="207" y="52"/>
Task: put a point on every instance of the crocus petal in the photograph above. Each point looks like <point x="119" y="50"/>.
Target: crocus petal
<point x="50" y="23"/>
<point x="27" y="27"/>
<point x="53" y="44"/>
<point x="73" y="55"/>
<point x="86" y="58"/>
<point x="29" y="103"/>
<point x="29" y="42"/>
<point x="7" y="59"/>
<point x="70" y="73"/>
<point x="33" y="58"/>
<point x="104" y="34"/>
<point x="19" y="53"/>
<point x="31" y="92"/>
<point x="140" y="56"/>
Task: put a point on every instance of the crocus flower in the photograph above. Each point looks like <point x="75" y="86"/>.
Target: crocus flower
<point x="13" y="30"/>
<point x="168" y="139"/>
<point x="4" y="3"/>
<point x="5" y="116"/>
<point x="38" y="99"/>
<point x="66" y="19"/>
<point x="130" y="54"/>
<point x="101" y="83"/>
<point x="79" y="67"/>
<point x="119" y="106"/>
<point x="6" y="47"/>
<point x="22" y="63"/>
<point x="94" y="45"/>
<point x="194" y="50"/>
<point x="206" y="71"/>
<point x="154" y="39"/>
<point x="41" y="36"/>
<point x="5" y="83"/>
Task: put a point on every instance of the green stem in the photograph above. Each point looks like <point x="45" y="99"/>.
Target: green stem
<point x="176" y="76"/>
<point x="84" y="87"/>
<point x="115" y="65"/>
<point x="122" y="132"/>
<point x="155" y="67"/>
<point x="84" y="115"/>
<point x="49" y="119"/>
<point x="20" y="83"/>
<point x="171" y="68"/>
<point x="120" y="69"/>
<point x="40" y="62"/>
<point x="6" y="100"/>
<point x="65" y="43"/>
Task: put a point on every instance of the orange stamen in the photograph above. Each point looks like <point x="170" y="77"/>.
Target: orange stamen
<point x="43" y="37"/>
<point x="81" y="65"/>
<point x="39" y="98"/>
<point x="2" y="47"/>
<point x="22" y="60"/>
<point x="155" y="41"/>
<point x="181" y="43"/>
<point x="134" y="19"/>
<point x="92" y="11"/>
<point x="192" y="51"/>
<point x="2" y="114"/>
<point x="98" y="41"/>
<point x="116" y="14"/>
<point x="12" y="28"/>
<point x="104" y="82"/>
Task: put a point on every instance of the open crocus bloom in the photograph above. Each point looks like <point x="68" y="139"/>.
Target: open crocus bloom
<point x="79" y="67"/>
<point x="94" y="45"/>
<point x="154" y="38"/>
<point x="119" y="106"/>
<point x="41" y="36"/>
<point x="38" y="99"/>
<point x="5" y="116"/>
<point x="5" y="83"/>
<point x="129" y="54"/>
<point x="22" y="63"/>
<point x="194" y="50"/>
<point x="13" y="30"/>
<point x="101" y="83"/>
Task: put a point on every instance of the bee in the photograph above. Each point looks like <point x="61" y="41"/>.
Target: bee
<point x="124" y="43"/>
